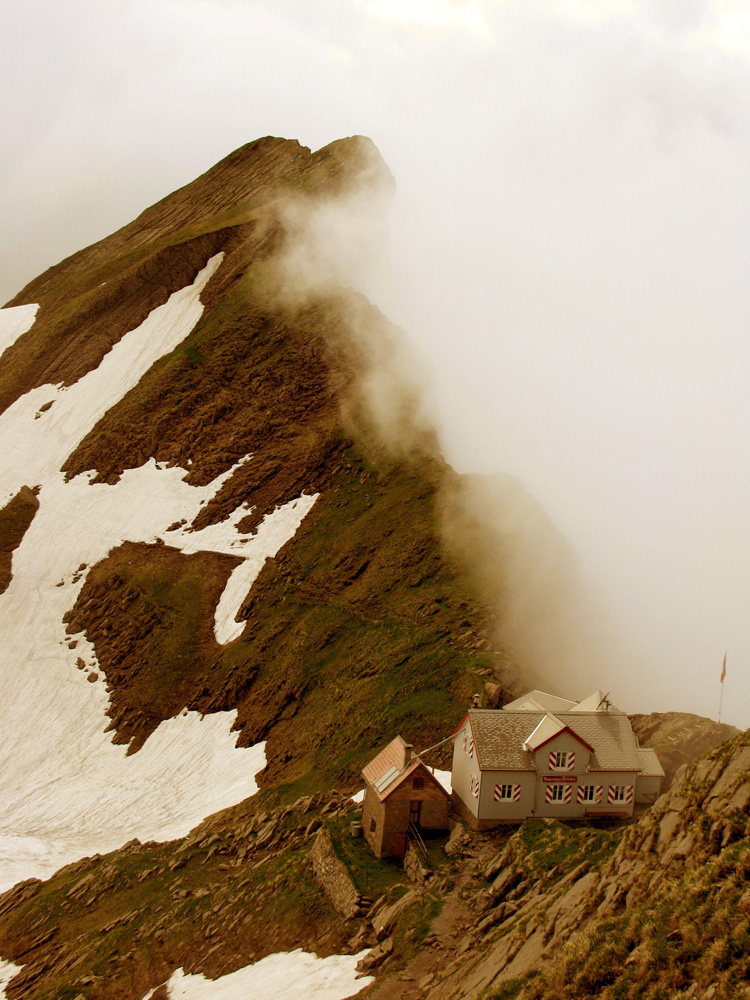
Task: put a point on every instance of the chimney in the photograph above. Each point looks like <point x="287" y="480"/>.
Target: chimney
<point x="408" y="753"/>
<point x="475" y="701"/>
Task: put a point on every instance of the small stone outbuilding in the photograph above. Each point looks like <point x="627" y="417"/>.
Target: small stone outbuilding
<point x="400" y="792"/>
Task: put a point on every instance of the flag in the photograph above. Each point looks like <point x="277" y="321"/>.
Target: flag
<point x="724" y="669"/>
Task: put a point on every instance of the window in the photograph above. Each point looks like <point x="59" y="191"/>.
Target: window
<point x="617" y="793"/>
<point x="558" y="793"/>
<point x="373" y="825"/>
<point x="588" y="793"/>
<point x="507" y="793"/>
<point x="417" y="783"/>
<point x="561" y="759"/>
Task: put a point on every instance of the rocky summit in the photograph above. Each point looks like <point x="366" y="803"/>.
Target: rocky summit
<point x="233" y="565"/>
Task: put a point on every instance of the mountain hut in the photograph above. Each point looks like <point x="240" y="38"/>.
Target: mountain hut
<point x="401" y="796"/>
<point x="546" y="756"/>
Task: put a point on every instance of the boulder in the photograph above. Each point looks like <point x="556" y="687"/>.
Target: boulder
<point x="385" y="920"/>
<point x="458" y="839"/>
<point x="376" y="957"/>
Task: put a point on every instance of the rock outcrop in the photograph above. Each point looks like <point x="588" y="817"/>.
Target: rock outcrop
<point x="15" y="518"/>
<point x="679" y="738"/>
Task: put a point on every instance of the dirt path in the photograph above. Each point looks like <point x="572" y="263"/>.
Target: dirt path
<point x="439" y="949"/>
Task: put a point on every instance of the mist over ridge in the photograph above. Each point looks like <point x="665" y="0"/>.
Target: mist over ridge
<point x="568" y="240"/>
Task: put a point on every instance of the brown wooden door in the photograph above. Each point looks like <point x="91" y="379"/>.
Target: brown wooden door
<point x="414" y="812"/>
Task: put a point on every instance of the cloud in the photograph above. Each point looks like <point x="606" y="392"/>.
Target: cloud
<point x="569" y="244"/>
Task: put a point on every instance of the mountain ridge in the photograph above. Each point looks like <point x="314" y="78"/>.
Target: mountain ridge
<point x="256" y="439"/>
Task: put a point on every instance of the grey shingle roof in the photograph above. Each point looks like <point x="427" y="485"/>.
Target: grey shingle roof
<point x="499" y="736"/>
<point x="611" y="736"/>
<point x="549" y="726"/>
<point x="650" y="766"/>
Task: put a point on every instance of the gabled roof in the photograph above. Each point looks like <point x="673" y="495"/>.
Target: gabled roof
<point x="386" y="772"/>
<point x="499" y="738"/>
<point x="548" y="728"/>
<point x="539" y="701"/>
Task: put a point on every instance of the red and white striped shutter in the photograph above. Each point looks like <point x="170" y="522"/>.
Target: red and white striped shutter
<point x="515" y="794"/>
<point x="470" y="751"/>
<point x="580" y="793"/>
<point x="571" y="760"/>
<point x="568" y="794"/>
<point x="552" y="759"/>
<point x="474" y="786"/>
<point x="613" y="791"/>
<point x="548" y="793"/>
<point x="598" y="793"/>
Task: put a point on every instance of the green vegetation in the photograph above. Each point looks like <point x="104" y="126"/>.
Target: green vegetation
<point x="114" y="926"/>
<point x="371" y="876"/>
<point x="545" y="847"/>
<point x="691" y="928"/>
<point x="510" y="989"/>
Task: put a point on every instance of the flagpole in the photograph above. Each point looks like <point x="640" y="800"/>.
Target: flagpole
<point x="723" y="675"/>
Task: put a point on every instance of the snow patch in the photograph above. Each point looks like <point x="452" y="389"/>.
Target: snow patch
<point x="283" y="976"/>
<point x="275" y="530"/>
<point x="14" y="322"/>
<point x="359" y="796"/>
<point x="444" y="777"/>
<point x="65" y="790"/>
<point x="7" y="972"/>
<point x="35" y="445"/>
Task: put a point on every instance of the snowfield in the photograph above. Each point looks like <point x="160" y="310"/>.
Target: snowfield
<point x="65" y="790"/>
<point x="283" y="976"/>
<point x="14" y="322"/>
<point x="7" y="972"/>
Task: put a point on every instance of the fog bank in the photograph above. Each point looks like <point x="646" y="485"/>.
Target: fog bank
<point x="569" y="250"/>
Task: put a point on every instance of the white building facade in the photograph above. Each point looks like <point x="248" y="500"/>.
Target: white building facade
<point x="547" y="757"/>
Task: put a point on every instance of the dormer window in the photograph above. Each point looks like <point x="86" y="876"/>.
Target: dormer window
<point x="561" y="760"/>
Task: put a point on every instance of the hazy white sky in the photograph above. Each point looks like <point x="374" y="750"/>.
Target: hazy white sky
<point x="571" y="244"/>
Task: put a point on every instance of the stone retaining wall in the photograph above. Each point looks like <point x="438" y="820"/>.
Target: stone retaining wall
<point x="333" y="878"/>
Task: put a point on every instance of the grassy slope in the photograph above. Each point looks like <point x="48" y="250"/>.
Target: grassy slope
<point x="114" y="926"/>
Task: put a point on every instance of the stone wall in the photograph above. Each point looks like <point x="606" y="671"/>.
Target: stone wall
<point x="333" y="878"/>
<point x="414" y="866"/>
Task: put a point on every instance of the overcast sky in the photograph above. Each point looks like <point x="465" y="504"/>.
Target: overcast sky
<point x="570" y="244"/>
